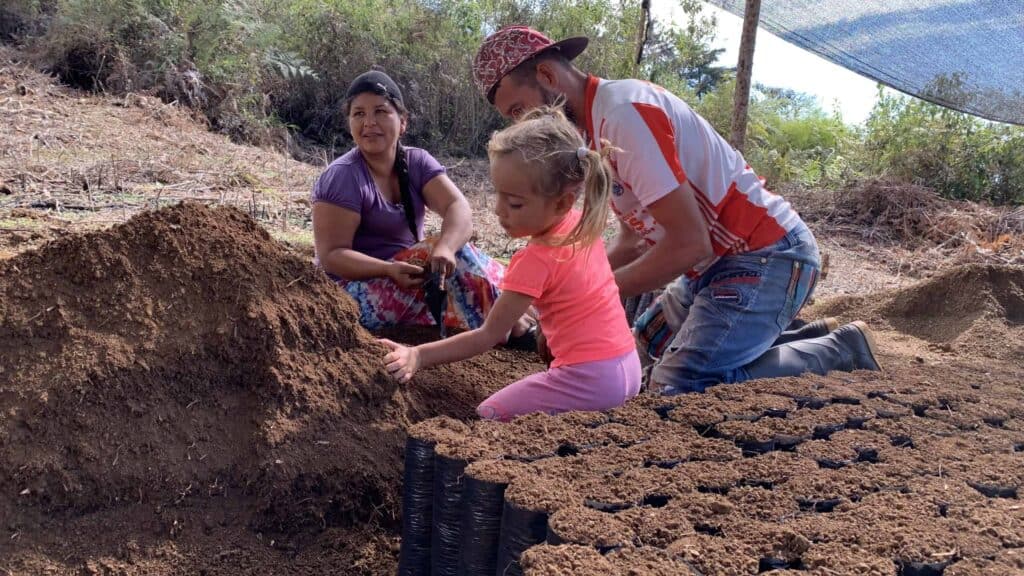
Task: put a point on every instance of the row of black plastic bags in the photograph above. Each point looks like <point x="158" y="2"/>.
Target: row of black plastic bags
<point x="457" y="525"/>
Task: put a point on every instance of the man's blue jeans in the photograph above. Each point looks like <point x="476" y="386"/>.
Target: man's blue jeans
<point x="703" y="331"/>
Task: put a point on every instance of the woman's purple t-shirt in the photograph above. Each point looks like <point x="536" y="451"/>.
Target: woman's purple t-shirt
<point x="383" y="230"/>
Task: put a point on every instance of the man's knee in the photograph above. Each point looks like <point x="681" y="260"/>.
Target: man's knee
<point x="670" y="379"/>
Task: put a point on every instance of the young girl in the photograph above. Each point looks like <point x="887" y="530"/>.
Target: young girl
<point x="539" y="167"/>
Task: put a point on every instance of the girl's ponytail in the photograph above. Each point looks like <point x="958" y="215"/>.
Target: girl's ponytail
<point x="596" y="188"/>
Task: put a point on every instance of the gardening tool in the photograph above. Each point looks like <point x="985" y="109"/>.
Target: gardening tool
<point x="437" y="298"/>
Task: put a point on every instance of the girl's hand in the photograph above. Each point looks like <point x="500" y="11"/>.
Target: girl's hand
<point x="442" y="260"/>
<point x="405" y="275"/>
<point x="402" y="362"/>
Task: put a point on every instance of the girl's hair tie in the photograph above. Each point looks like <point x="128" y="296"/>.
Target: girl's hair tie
<point x="582" y="152"/>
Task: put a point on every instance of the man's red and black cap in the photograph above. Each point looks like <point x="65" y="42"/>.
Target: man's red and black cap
<point x="509" y="47"/>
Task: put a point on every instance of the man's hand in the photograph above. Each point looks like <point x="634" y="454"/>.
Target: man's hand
<point x="401" y="362"/>
<point x="624" y="247"/>
<point x="686" y="244"/>
<point x="542" y="347"/>
<point x="405" y="275"/>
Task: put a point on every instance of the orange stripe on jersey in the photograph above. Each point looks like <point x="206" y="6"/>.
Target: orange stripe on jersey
<point x="709" y="210"/>
<point x="661" y="127"/>
<point x="747" y="220"/>
<point x="723" y="241"/>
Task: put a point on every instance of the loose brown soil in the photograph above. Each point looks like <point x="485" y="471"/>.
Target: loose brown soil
<point x="859" y="473"/>
<point x="183" y="394"/>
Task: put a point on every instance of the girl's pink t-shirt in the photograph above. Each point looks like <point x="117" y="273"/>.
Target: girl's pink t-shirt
<point x="575" y="294"/>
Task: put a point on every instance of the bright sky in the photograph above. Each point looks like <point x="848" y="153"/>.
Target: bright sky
<point x="778" y="63"/>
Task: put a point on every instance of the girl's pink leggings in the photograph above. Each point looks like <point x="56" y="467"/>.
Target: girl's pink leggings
<point x="591" y="386"/>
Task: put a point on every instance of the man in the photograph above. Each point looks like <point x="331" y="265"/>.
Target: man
<point x="739" y="261"/>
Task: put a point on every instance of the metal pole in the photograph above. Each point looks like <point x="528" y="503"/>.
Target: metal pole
<point x="741" y="98"/>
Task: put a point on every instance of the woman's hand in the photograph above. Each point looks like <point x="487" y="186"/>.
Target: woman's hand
<point x="442" y="261"/>
<point x="442" y="197"/>
<point x="402" y="361"/>
<point x="405" y="275"/>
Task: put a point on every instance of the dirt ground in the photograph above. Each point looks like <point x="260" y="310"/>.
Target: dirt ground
<point x="182" y="393"/>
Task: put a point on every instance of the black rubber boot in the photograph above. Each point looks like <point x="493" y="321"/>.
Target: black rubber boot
<point x="814" y="329"/>
<point x="850" y="347"/>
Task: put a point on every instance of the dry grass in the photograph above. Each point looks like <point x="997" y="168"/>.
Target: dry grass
<point x="913" y="217"/>
<point x="87" y="162"/>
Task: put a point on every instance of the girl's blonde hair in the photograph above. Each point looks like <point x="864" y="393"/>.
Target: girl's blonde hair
<point x="559" y="159"/>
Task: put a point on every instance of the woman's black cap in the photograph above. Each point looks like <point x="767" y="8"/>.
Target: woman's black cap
<point x="377" y="82"/>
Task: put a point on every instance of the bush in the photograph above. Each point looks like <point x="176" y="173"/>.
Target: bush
<point x="256" y="67"/>
<point x="960" y="156"/>
<point x="109" y="45"/>
<point x="24" y="18"/>
<point x="790" y="139"/>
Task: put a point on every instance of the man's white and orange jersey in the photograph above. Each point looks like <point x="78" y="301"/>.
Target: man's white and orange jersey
<point x="663" y="144"/>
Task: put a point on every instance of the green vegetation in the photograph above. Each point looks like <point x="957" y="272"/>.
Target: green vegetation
<point x="960" y="156"/>
<point x="274" y="72"/>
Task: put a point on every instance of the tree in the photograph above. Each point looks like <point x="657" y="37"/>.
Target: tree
<point x="751" y="17"/>
<point x="684" y="54"/>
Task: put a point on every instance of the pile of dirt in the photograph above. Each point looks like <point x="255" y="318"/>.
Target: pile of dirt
<point x="861" y="473"/>
<point x="976" y="309"/>
<point x="184" y="379"/>
<point x="885" y="210"/>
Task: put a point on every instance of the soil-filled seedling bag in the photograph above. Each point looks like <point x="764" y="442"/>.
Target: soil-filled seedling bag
<point x="520" y="529"/>
<point x="417" y="508"/>
<point x="447" y="514"/>
<point x="483" y="502"/>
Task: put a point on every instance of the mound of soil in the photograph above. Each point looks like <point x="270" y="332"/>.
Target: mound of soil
<point x="186" y="381"/>
<point x="977" y="309"/>
<point x="946" y="306"/>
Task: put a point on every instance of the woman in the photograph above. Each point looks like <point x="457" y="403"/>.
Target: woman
<point x="368" y="208"/>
